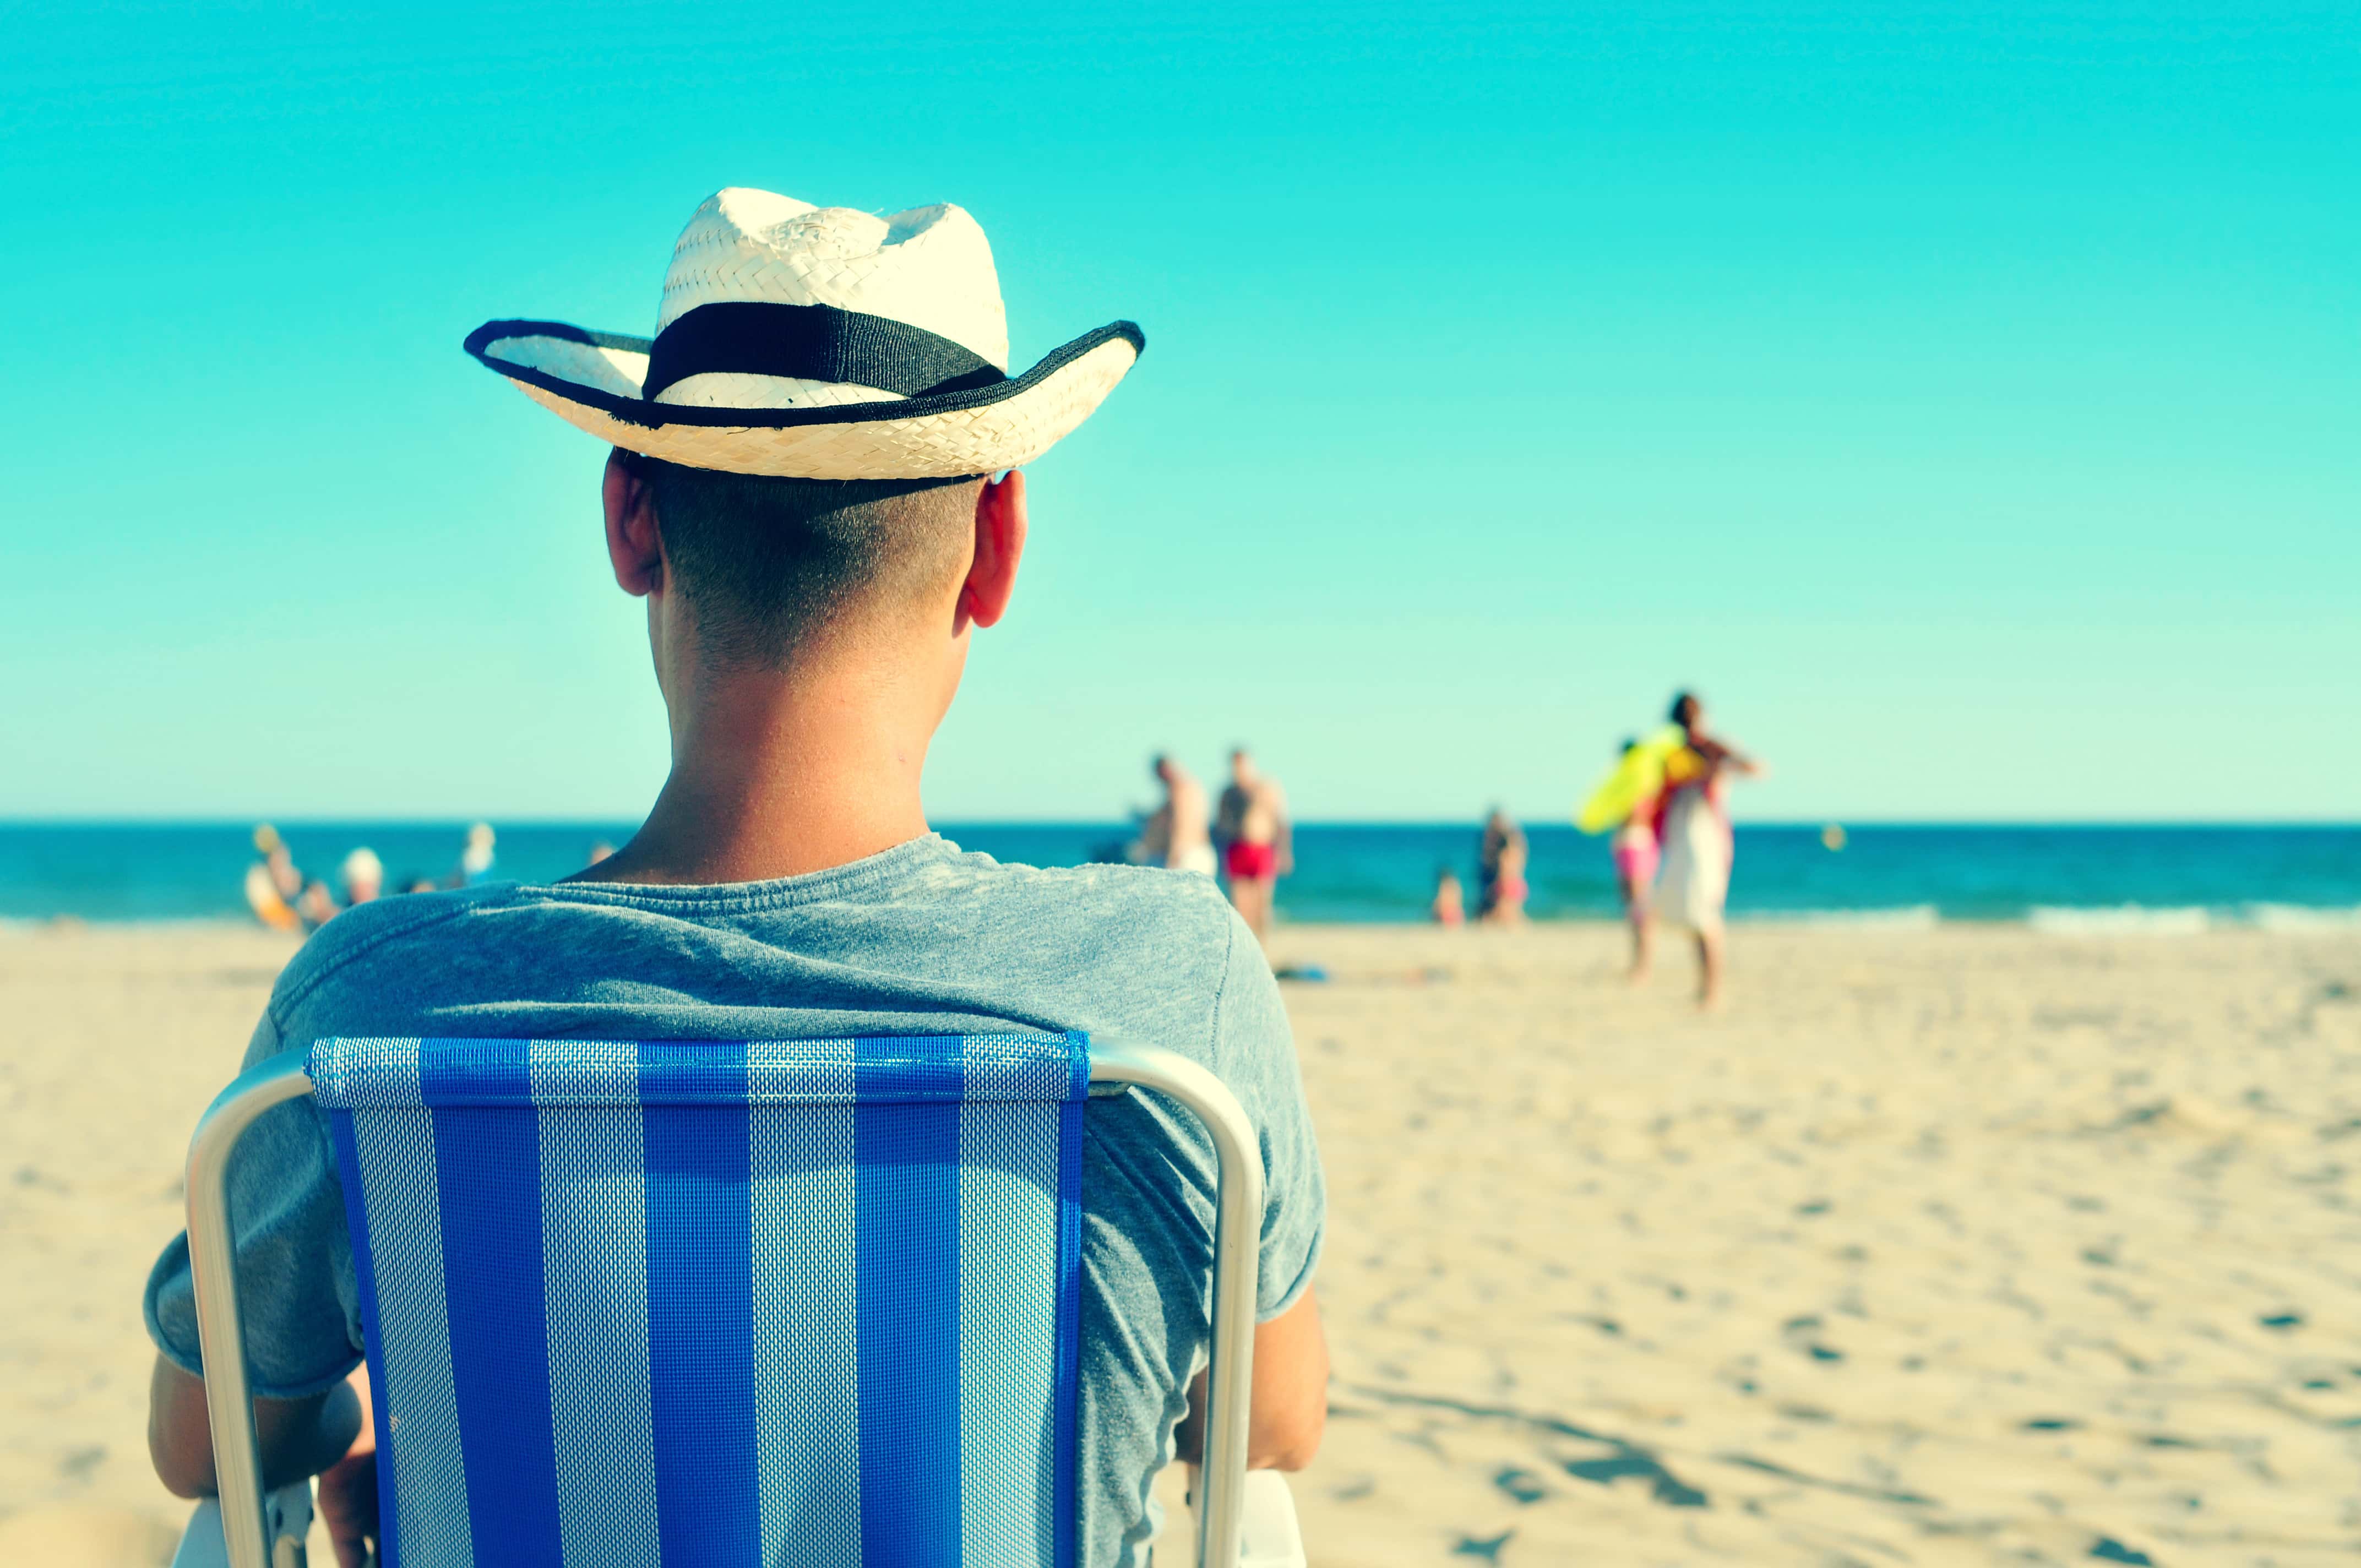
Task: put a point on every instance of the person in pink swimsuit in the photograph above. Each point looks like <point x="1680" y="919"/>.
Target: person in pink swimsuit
<point x="1450" y="905"/>
<point x="1501" y="860"/>
<point x="1636" y="849"/>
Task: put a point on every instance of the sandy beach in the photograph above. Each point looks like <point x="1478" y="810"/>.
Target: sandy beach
<point x="1952" y="1245"/>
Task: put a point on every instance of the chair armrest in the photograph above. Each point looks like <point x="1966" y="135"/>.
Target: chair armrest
<point x="287" y="1511"/>
<point x="1270" y="1536"/>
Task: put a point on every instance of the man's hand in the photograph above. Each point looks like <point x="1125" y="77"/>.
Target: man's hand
<point x="1291" y="1393"/>
<point x="327" y="1434"/>
<point x="347" y="1493"/>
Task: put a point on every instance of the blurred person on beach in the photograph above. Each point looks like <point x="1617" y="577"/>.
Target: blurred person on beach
<point x="1257" y="840"/>
<point x="1177" y="835"/>
<point x="1450" y="905"/>
<point x="1694" y="882"/>
<point x="1635" y="850"/>
<point x="360" y="879"/>
<point x="599" y="850"/>
<point x="808" y="634"/>
<point x="274" y="887"/>
<point x="277" y="861"/>
<point x="475" y="858"/>
<point x="1501" y="867"/>
<point x="269" y="904"/>
<point x="363" y="875"/>
<point x="315" y="905"/>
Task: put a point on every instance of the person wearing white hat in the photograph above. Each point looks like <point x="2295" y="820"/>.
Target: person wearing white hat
<point x="819" y="343"/>
<point x="814" y="487"/>
<point x="363" y="875"/>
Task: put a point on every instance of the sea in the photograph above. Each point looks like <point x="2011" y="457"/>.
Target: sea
<point x="2160" y="878"/>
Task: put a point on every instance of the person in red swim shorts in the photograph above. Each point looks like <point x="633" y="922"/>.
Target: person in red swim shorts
<point x="1256" y="839"/>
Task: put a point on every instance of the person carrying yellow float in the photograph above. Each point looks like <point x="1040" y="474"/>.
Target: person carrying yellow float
<point x="1626" y="801"/>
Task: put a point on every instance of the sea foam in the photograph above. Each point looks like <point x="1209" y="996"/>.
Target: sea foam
<point x="2119" y="920"/>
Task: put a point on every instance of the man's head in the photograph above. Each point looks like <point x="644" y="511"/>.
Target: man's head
<point x="768" y="565"/>
<point x="1687" y="710"/>
<point x="1161" y="768"/>
<point x="748" y="575"/>
<point x="1242" y="767"/>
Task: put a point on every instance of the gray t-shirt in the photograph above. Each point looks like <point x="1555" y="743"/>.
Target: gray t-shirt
<point x="919" y="939"/>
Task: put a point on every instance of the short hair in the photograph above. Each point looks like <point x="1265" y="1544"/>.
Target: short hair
<point x="769" y="563"/>
<point x="1684" y="707"/>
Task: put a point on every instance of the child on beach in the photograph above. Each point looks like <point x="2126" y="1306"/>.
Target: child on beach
<point x="1450" y="906"/>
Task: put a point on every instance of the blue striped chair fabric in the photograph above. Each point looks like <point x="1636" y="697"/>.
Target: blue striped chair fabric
<point x="702" y="1303"/>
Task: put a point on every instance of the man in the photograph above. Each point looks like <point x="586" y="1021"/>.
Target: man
<point x="1177" y="835"/>
<point x="1257" y="840"/>
<point x="809" y="629"/>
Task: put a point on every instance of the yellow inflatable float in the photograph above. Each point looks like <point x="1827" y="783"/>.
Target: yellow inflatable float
<point x="1637" y="775"/>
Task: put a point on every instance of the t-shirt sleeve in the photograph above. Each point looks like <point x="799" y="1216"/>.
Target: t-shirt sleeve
<point x="294" y="1258"/>
<point x="1254" y="1051"/>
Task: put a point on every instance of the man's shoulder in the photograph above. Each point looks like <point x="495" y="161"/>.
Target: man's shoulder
<point x="1149" y="908"/>
<point x="930" y="910"/>
<point x="367" y="929"/>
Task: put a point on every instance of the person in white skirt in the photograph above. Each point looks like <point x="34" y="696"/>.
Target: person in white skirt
<point x="1694" y="881"/>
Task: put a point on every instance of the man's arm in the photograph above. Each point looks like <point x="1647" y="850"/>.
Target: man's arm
<point x="1291" y="1393"/>
<point x="299" y="1437"/>
<point x="1722" y="754"/>
<point x="327" y="1434"/>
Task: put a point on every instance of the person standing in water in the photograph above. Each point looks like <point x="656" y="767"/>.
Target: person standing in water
<point x="1634" y="849"/>
<point x="1256" y="839"/>
<point x="1698" y="843"/>
<point x="1179" y="834"/>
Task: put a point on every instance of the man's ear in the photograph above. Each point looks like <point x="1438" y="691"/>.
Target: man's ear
<point x="633" y="544"/>
<point x="999" y="545"/>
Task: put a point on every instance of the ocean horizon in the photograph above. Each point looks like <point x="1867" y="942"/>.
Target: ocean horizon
<point x="2157" y="877"/>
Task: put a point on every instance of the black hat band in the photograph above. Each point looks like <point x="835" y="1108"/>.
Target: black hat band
<point x="813" y="342"/>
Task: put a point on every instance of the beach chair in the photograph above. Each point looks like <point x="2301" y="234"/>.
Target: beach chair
<point x="690" y="1304"/>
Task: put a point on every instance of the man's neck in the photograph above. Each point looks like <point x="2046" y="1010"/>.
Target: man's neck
<point x="774" y="778"/>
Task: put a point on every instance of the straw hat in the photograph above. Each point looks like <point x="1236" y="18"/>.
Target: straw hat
<point x="817" y="342"/>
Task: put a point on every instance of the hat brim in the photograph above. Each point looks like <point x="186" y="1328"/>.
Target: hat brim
<point x="592" y="380"/>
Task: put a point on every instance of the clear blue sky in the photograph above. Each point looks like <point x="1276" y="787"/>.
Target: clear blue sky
<point x="1968" y="400"/>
